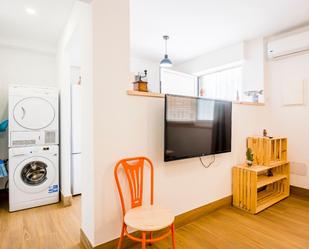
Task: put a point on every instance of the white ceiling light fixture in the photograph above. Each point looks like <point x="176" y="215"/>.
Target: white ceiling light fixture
<point x="166" y="62"/>
<point x="30" y="11"/>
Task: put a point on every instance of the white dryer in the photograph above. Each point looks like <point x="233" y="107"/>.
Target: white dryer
<point x="33" y="176"/>
<point x="33" y="116"/>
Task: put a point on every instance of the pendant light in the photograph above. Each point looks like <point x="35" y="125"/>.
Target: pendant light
<point x="166" y="62"/>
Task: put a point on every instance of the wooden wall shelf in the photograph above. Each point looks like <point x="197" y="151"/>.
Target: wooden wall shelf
<point x="145" y="94"/>
<point x="253" y="190"/>
<point x="248" y="103"/>
<point x="162" y="95"/>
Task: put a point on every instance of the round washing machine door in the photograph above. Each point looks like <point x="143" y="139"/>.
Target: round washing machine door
<point x="34" y="113"/>
<point x="34" y="175"/>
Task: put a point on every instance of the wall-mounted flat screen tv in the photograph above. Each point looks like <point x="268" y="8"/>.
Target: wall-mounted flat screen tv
<point x="196" y="127"/>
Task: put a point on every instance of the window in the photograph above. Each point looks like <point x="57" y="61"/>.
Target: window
<point x="224" y="84"/>
<point x="178" y="83"/>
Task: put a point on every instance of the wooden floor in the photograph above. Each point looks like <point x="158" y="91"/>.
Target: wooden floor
<point x="283" y="226"/>
<point x="47" y="227"/>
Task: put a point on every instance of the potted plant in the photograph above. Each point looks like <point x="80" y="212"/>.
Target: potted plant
<point x="249" y="156"/>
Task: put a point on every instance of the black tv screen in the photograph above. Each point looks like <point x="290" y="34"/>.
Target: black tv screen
<point x="196" y="127"/>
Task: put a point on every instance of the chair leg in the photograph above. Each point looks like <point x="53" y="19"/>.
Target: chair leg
<point x="143" y="240"/>
<point x="121" y="237"/>
<point x="173" y="235"/>
<point x="150" y="237"/>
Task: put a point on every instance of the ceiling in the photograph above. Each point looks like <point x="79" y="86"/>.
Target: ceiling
<point x="195" y="26"/>
<point x="199" y="26"/>
<point x="41" y="29"/>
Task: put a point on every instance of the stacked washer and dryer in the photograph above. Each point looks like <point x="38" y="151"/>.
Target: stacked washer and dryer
<point x="33" y="147"/>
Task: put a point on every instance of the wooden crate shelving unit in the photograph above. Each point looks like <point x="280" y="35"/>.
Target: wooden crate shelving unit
<point x="253" y="191"/>
<point x="267" y="150"/>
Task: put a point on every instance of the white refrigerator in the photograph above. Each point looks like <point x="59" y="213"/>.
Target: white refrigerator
<point x="76" y="139"/>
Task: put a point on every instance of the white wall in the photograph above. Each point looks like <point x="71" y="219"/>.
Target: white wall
<point x="69" y="53"/>
<point x="75" y="49"/>
<point x="63" y="79"/>
<point x="253" y="67"/>
<point x="290" y="121"/>
<point x="22" y="66"/>
<point x="125" y="126"/>
<point x="153" y="69"/>
<point x="88" y="190"/>
<point x="213" y="59"/>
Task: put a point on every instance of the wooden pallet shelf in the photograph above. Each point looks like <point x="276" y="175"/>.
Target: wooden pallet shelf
<point x="267" y="150"/>
<point x="253" y="190"/>
<point x="266" y="180"/>
<point x="270" y="200"/>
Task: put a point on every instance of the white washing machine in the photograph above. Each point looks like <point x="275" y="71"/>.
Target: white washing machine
<point x="33" y="176"/>
<point x="33" y="116"/>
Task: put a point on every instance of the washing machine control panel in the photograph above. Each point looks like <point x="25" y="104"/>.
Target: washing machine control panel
<point x="51" y="150"/>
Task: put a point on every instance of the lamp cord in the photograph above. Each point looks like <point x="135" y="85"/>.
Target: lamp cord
<point x="209" y="164"/>
<point x="166" y="37"/>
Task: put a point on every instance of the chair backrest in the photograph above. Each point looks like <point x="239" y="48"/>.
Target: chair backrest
<point x="134" y="171"/>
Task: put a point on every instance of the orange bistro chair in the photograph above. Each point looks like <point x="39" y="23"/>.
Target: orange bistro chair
<point x="145" y="218"/>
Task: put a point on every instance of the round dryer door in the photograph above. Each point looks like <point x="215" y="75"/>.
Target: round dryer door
<point x="34" y="113"/>
<point x="35" y="174"/>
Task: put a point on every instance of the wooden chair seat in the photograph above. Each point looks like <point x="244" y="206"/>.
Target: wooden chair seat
<point x="149" y="218"/>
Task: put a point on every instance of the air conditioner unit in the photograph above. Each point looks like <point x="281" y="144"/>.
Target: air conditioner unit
<point x="288" y="46"/>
